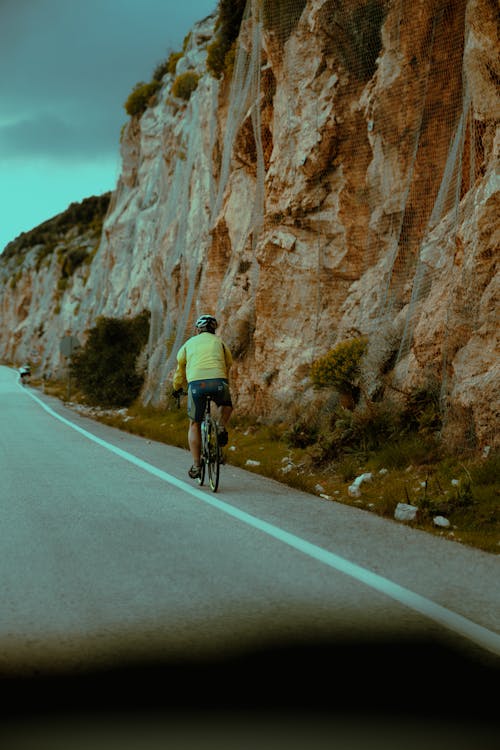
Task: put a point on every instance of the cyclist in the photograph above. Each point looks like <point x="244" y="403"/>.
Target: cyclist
<point x="25" y="374"/>
<point x="203" y="363"/>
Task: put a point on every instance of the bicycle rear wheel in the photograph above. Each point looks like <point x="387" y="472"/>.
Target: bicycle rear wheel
<point x="213" y="455"/>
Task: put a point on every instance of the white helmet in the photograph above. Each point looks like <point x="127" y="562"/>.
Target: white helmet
<point x="207" y="323"/>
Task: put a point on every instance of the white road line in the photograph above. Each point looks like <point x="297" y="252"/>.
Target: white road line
<point x="485" y="638"/>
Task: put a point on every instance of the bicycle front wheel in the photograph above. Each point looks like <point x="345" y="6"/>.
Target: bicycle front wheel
<point x="213" y="460"/>
<point x="204" y="453"/>
<point x="201" y="478"/>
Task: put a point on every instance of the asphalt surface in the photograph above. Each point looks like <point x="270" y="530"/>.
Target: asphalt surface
<point x="127" y="588"/>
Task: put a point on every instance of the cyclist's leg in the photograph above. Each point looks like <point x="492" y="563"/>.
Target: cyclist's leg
<point x="223" y="400"/>
<point x="195" y="407"/>
<point x="194" y="439"/>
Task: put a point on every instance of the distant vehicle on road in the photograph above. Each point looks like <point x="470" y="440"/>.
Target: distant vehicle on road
<point x="25" y="374"/>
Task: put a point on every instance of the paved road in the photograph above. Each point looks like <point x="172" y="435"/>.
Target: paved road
<point x="111" y="556"/>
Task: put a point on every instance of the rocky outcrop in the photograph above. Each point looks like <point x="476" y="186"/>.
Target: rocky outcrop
<point x="345" y="182"/>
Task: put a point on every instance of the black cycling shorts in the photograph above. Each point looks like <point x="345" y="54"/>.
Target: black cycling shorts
<point x="198" y="390"/>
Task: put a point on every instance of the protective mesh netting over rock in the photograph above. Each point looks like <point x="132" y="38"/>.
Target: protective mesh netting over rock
<point x="362" y="127"/>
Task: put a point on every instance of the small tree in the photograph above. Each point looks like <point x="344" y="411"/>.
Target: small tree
<point x="340" y="367"/>
<point x="105" y="369"/>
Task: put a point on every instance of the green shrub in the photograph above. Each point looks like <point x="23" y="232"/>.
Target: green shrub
<point x="486" y="471"/>
<point x="172" y="62"/>
<point x="407" y="450"/>
<point x="220" y="58"/>
<point x="14" y="280"/>
<point x="340" y="367"/>
<point x="366" y="428"/>
<point x="216" y="52"/>
<point x="72" y="260"/>
<point x="186" y="41"/>
<point x="185" y="84"/>
<point x="140" y="97"/>
<point x="161" y="69"/>
<point x="301" y="434"/>
<point x="422" y="409"/>
<point x="84" y="213"/>
<point x="227" y="29"/>
<point x="324" y="450"/>
<point x="167" y="66"/>
<point x="347" y="468"/>
<point x="105" y="368"/>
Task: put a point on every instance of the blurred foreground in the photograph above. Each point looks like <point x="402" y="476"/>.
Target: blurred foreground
<point x="348" y="695"/>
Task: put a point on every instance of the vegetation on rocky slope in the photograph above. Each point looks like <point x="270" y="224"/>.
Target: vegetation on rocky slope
<point x="220" y="52"/>
<point x="106" y="368"/>
<point x="78" y="217"/>
<point x="454" y="495"/>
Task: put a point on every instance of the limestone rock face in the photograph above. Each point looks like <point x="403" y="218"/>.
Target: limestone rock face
<point x="312" y="198"/>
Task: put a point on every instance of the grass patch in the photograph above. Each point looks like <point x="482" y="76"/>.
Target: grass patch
<point x="414" y="471"/>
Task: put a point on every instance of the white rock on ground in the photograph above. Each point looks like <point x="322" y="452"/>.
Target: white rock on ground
<point x="405" y="512"/>
<point x="441" y="521"/>
<point x="354" y="489"/>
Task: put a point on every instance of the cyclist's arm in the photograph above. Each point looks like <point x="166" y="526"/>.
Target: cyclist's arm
<point x="180" y="373"/>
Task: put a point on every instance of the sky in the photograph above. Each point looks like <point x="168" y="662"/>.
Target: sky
<point x="66" y="70"/>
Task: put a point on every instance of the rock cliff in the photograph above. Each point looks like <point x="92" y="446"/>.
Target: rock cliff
<point x="341" y="181"/>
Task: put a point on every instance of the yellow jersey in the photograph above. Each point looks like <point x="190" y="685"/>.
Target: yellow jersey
<point x="202" y="357"/>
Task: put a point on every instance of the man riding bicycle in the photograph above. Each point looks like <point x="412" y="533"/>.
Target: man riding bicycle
<point x="25" y="374"/>
<point x="203" y="363"/>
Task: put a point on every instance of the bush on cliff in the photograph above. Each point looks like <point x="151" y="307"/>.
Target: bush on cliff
<point x="220" y="52"/>
<point x="185" y="84"/>
<point x="105" y="369"/>
<point x="141" y="97"/>
<point x="88" y="216"/>
<point x="340" y="367"/>
<point x="71" y="259"/>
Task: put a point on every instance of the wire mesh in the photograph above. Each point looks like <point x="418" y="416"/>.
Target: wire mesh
<point x="326" y="154"/>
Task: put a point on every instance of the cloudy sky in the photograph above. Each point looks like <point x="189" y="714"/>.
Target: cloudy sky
<point x="66" y="69"/>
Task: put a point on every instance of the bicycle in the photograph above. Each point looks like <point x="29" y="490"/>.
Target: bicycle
<point x="211" y="455"/>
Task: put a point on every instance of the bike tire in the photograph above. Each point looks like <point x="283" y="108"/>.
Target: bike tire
<point x="203" y="453"/>
<point x="213" y="456"/>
